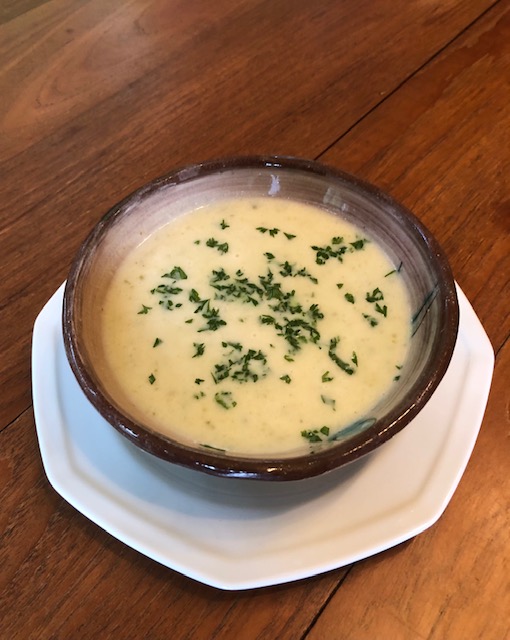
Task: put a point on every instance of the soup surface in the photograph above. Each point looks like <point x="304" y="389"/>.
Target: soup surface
<point x="257" y="326"/>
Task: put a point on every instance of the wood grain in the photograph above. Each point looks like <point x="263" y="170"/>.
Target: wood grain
<point x="451" y="581"/>
<point x="441" y="145"/>
<point x="97" y="98"/>
<point x="10" y="9"/>
<point x="63" y="577"/>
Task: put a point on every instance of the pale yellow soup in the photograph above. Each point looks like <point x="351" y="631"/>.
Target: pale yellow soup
<point x="256" y="326"/>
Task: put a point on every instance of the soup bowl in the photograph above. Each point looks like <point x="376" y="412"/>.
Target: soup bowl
<point x="411" y="248"/>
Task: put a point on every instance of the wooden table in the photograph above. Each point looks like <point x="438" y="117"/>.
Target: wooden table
<point x="99" y="96"/>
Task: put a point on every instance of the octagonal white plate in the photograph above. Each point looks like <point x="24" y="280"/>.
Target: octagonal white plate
<point x="236" y="534"/>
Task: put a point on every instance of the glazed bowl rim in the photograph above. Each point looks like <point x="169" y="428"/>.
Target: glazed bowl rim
<point x="278" y="467"/>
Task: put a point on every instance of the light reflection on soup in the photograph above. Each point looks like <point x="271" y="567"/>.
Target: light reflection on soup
<point x="257" y="326"/>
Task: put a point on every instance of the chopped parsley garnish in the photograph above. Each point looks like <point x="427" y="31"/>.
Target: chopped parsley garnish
<point x="397" y="270"/>
<point x="272" y="232"/>
<point x="209" y="446"/>
<point x="213" y="320"/>
<point x="224" y="399"/>
<point x="165" y="289"/>
<point x="230" y="288"/>
<point x="144" y="310"/>
<point x="323" y="254"/>
<point x="358" y="244"/>
<point x="199" y="349"/>
<point x="209" y="313"/>
<point x="375" y="296"/>
<point x="315" y="435"/>
<point x="214" y="244"/>
<point x="241" y="365"/>
<point x="286" y="312"/>
<point x="382" y="310"/>
<point x="331" y="402"/>
<point x="345" y="366"/>
<point x="176" y="274"/>
<point x="371" y="320"/>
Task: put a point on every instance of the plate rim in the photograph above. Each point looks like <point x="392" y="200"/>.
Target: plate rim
<point x="225" y="573"/>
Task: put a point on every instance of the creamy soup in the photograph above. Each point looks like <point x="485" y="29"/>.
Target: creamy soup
<point x="259" y="326"/>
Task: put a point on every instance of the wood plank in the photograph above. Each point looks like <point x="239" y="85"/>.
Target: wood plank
<point x="452" y="580"/>
<point x="11" y="9"/>
<point x="81" y="53"/>
<point x="78" y="133"/>
<point x="441" y="145"/>
<point x="64" y="577"/>
<point x="442" y="148"/>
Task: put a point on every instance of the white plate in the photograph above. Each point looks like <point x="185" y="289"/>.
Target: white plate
<point x="236" y="534"/>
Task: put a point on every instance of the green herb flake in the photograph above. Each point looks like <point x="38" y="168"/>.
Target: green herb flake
<point x="326" y="377"/>
<point x="176" y="274"/>
<point x="241" y="365"/>
<point x="315" y="435"/>
<point x="339" y="285"/>
<point x="345" y="366"/>
<point x="331" y="402"/>
<point x="214" y="244"/>
<point x="199" y="380"/>
<point x="286" y="378"/>
<point x="397" y="270"/>
<point x="213" y="320"/>
<point x="199" y="349"/>
<point x="375" y="296"/>
<point x="272" y="232"/>
<point x="224" y="399"/>
<point x="209" y="446"/>
<point x="357" y="245"/>
<point x="152" y="378"/>
<point x="371" y="320"/>
<point x="349" y="297"/>
<point x="323" y="254"/>
<point x="382" y="310"/>
<point x="289" y="236"/>
<point x="144" y="310"/>
<point x="157" y="342"/>
<point x="224" y="225"/>
<point x="354" y="358"/>
<point x="311" y="435"/>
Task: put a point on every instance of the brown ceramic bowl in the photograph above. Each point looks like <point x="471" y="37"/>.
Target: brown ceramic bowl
<point x="407" y="242"/>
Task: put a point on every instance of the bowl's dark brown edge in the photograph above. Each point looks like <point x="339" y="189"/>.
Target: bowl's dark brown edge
<point x="294" y="468"/>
